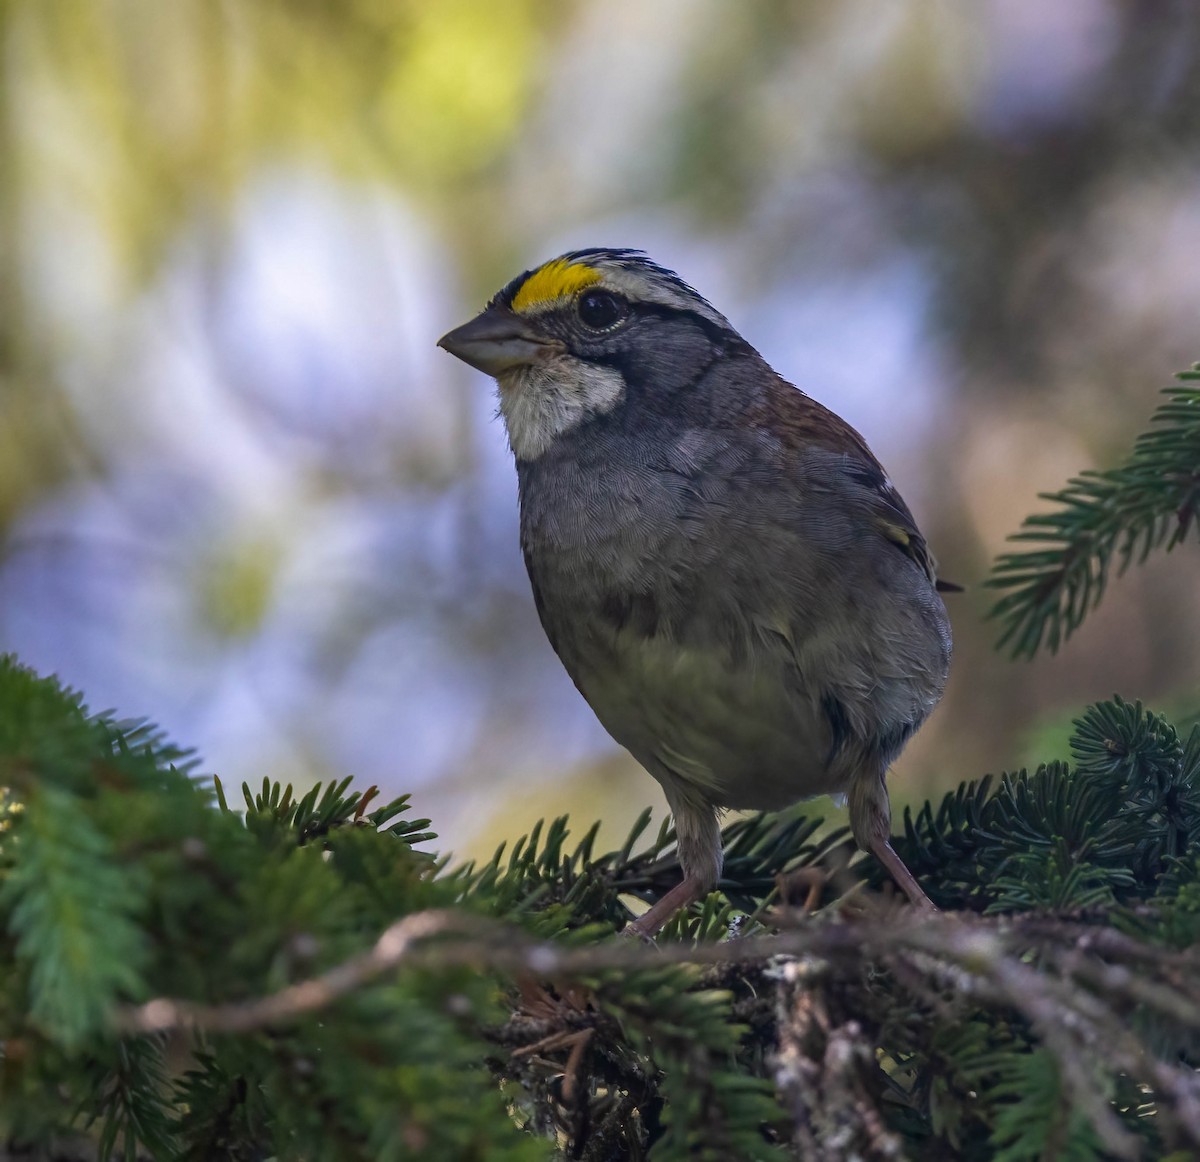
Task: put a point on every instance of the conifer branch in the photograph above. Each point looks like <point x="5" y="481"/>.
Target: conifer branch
<point x="1101" y="521"/>
<point x="297" y="1000"/>
<point x="370" y="1001"/>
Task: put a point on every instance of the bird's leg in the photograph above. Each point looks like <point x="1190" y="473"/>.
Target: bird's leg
<point x="679" y="897"/>
<point x="871" y="822"/>
<point x="881" y="848"/>
<point x="698" y="841"/>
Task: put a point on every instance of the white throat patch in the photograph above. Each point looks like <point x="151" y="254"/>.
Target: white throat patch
<point x="541" y="402"/>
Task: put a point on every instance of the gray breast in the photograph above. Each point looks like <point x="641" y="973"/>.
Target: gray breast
<point x="675" y="595"/>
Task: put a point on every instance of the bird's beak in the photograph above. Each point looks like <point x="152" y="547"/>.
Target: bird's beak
<point x="495" y="341"/>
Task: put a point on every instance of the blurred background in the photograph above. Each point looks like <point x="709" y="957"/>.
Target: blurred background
<point x="242" y="493"/>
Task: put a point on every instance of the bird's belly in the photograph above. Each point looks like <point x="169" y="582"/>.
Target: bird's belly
<point x="732" y="730"/>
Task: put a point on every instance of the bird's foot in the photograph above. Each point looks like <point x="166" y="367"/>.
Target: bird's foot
<point x="650" y="922"/>
<point x="883" y="851"/>
<point x="802" y="887"/>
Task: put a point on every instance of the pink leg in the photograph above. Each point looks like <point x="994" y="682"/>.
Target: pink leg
<point x="698" y="839"/>
<point x="882" y="850"/>
<point x="678" y="898"/>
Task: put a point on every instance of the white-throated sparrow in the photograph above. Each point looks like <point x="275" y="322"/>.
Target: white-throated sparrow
<point x="719" y="561"/>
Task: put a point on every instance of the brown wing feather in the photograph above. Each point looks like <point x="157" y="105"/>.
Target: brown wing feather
<point x="802" y="422"/>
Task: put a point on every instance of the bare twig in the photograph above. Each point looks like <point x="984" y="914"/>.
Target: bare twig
<point x="480" y="942"/>
<point x="393" y="947"/>
<point x="470" y="939"/>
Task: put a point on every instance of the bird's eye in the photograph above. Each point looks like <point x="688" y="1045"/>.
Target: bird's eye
<point x="599" y="310"/>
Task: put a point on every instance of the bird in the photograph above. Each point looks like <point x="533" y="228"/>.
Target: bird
<point x="719" y="561"/>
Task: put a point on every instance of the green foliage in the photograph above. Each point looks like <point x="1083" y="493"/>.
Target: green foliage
<point x="1101" y="519"/>
<point x="1063" y="837"/>
<point x="124" y="878"/>
<point x="1035" y="1120"/>
<point x="72" y="910"/>
<point x="121" y="881"/>
<point x="712" y="1107"/>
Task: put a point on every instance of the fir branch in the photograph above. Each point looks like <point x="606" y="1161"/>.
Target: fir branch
<point x="985" y="960"/>
<point x="309" y="996"/>
<point x="497" y="1016"/>
<point x="1102" y="519"/>
<point x="1034" y="1121"/>
<point x="464" y="938"/>
<point x="1061" y="836"/>
<point x="71" y="907"/>
<point x="133" y="1109"/>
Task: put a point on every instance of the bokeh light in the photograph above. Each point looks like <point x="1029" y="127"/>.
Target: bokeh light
<point x="242" y="493"/>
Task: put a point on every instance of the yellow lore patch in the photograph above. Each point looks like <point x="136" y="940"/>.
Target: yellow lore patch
<point x="555" y="280"/>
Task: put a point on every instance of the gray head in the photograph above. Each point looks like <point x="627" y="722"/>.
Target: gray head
<point x="575" y="337"/>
